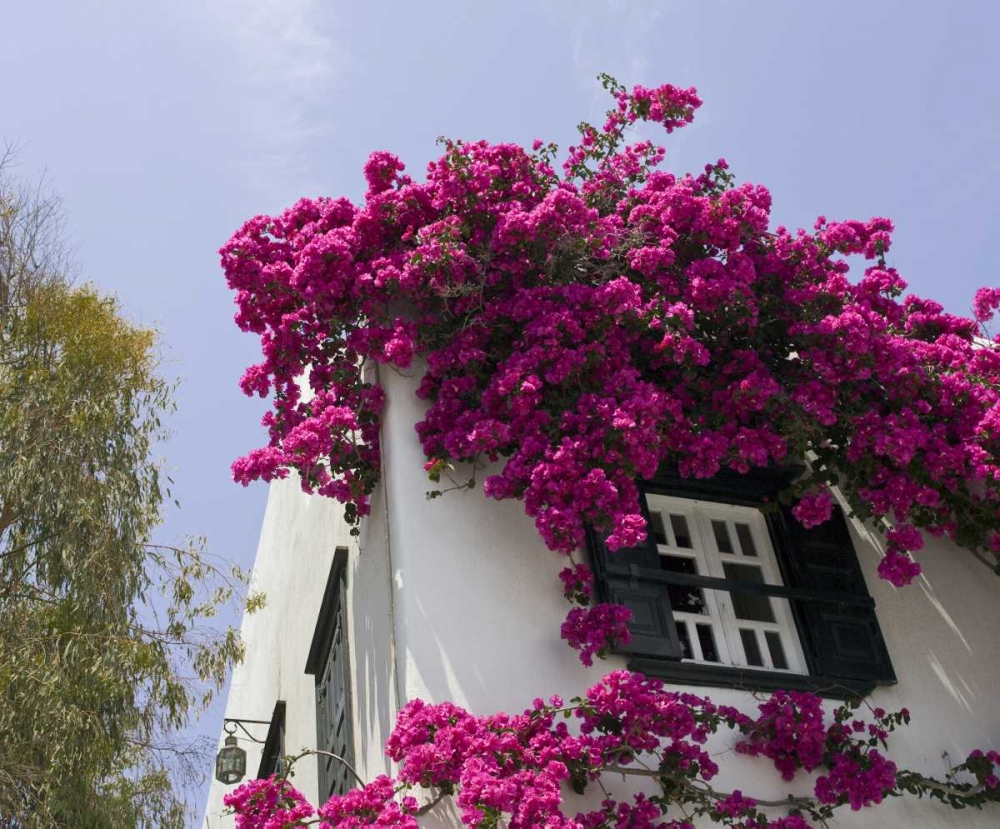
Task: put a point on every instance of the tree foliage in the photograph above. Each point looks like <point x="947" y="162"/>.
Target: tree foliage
<point x="104" y="652"/>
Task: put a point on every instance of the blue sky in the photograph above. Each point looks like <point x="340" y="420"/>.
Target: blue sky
<point x="165" y="125"/>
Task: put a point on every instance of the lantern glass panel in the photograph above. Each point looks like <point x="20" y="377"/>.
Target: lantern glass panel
<point x="231" y="763"/>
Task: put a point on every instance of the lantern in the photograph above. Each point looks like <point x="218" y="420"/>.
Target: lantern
<point x="231" y="762"/>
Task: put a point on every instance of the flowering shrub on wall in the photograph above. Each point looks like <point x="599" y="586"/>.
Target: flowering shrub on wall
<point x="515" y="771"/>
<point x="584" y="326"/>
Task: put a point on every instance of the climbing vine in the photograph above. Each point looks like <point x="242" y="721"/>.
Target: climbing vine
<point x="517" y="771"/>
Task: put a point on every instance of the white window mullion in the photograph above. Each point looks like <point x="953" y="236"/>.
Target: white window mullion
<point x="721" y="600"/>
<point x="716" y="619"/>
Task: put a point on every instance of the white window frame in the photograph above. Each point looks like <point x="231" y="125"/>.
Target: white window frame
<point x="709" y="561"/>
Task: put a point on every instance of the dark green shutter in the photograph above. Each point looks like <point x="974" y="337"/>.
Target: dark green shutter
<point x="620" y="580"/>
<point x="841" y="639"/>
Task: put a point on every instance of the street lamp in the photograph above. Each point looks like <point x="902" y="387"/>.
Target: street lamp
<point x="231" y="761"/>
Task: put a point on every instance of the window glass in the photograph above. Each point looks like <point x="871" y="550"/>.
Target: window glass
<point x="749" y="606"/>
<point x="683" y="599"/>
<point x="709" y="650"/>
<point x="722" y="541"/>
<point x="750" y="648"/>
<point x="745" y="536"/>
<point x="682" y="535"/>
<point x="776" y="649"/>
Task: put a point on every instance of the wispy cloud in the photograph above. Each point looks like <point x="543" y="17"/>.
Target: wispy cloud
<point x="620" y="48"/>
<point x="632" y="40"/>
<point x="286" y="64"/>
<point x="625" y="42"/>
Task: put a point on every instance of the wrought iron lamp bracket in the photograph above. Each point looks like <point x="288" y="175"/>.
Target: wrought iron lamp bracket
<point x="230" y="724"/>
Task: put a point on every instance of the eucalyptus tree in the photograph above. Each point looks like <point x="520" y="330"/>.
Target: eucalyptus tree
<point x="105" y="646"/>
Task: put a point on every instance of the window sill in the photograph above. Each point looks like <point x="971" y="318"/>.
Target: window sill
<point x="748" y="679"/>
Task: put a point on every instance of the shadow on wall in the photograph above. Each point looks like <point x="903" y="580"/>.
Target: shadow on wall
<point x="941" y="635"/>
<point x="480" y="607"/>
<point x="371" y="617"/>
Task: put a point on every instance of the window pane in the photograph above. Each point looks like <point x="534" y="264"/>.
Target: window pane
<point x="682" y="633"/>
<point x="657" y="528"/>
<point x="751" y="649"/>
<point x="683" y="599"/>
<point x="707" y="641"/>
<point x="746" y="540"/>
<point x="722" y="536"/>
<point x="749" y="606"/>
<point x="776" y="649"/>
<point x="681" y="531"/>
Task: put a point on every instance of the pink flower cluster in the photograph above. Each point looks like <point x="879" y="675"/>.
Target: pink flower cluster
<point x="814" y="508"/>
<point x="516" y="770"/>
<point x="373" y="805"/>
<point x="790" y="732"/>
<point x="268" y="803"/>
<point x="591" y="629"/>
<point x="578" y="584"/>
<point x="897" y="566"/>
<point x="985" y="765"/>
<point x="597" y="629"/>
<point x="863" y="781"/>
<point x="586" y="329"/>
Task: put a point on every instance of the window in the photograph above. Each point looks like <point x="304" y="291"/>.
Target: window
<point x="328" y="662"/>
<point x="723" y="627"/>
<point x="725" y="593"/>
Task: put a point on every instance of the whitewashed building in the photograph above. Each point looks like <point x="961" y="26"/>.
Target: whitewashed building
<point x="458" y="599"/>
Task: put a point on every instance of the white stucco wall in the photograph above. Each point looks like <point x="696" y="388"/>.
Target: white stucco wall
<point x="374" y="680"/>
<point x="458" y="599"/>
<point x="478" y="606"/>
<point x="278" y="636"/>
